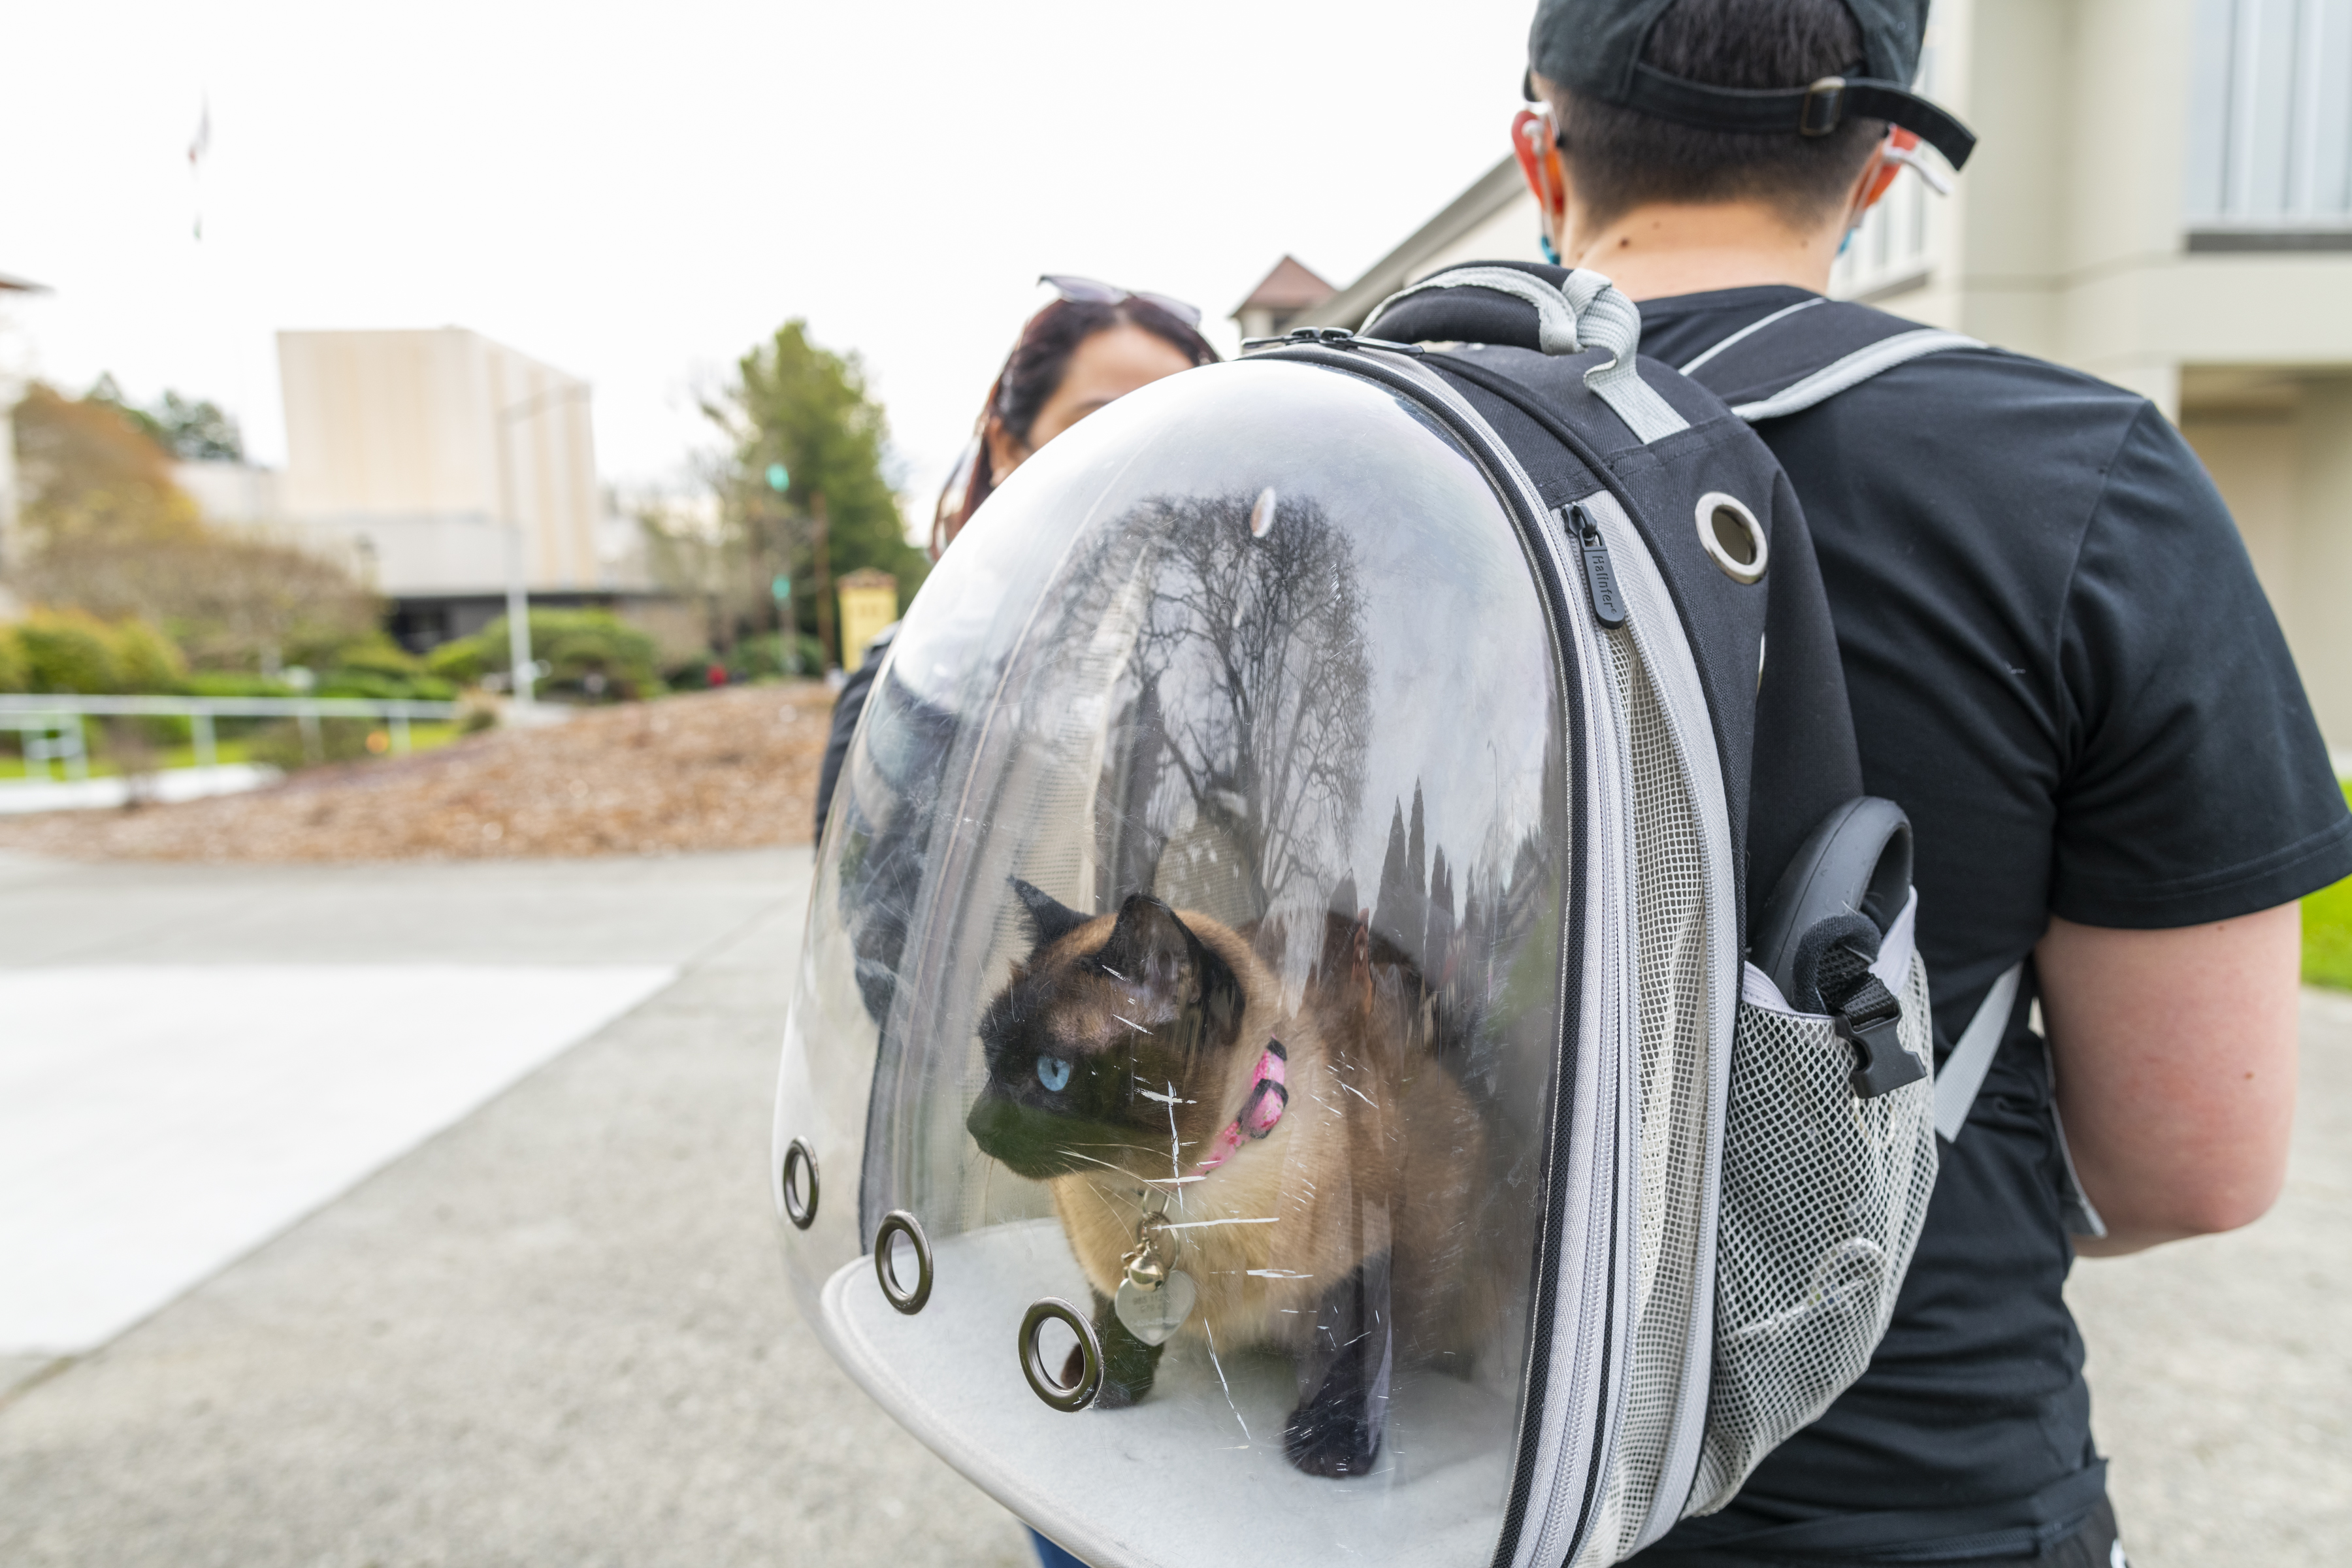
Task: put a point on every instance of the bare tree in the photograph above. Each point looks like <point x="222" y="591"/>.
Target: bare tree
<point x="1251" y="676"/>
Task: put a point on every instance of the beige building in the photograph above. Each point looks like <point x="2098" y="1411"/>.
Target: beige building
<point x="437" y="455"/>
<point x="2162" y="196"/>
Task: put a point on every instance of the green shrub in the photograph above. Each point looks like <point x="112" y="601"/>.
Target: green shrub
<point x="2328" y="933"/>
<point x="774" y="655"/>
<point x="377" y="656"/>
<point x="385" y="688"/>
<point x="462" y="660"/>
<point x="65" y="650"/>
<point x="149" y="663"/>
<point x="575" y="644"/>
<point x="14" y="677"/>
<point x="236" y="683"/>
<point x="693" y="672"/>
<point x="278" y="744"/>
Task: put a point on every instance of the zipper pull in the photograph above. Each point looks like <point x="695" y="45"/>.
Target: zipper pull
<point x="1600" y="576"/>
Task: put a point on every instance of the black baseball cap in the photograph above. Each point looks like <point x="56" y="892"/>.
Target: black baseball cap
<point x="1595" y="46"/>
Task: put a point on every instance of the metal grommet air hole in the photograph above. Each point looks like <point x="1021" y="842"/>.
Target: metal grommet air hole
<point x="1042" y="1383"/>
<point x="800" y="1184"/>
<point x="1733" y="538"/>
<point x="896" y="1224"/>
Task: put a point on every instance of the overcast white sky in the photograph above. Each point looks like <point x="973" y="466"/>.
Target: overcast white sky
<point x="637" y="196"/>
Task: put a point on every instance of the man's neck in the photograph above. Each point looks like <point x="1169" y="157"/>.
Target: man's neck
<point x="1667" y="248"/>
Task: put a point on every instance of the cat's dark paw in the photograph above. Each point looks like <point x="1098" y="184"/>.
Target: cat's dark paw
<point x="1116" y="1393"/>
<point x="1331" y="1437"/>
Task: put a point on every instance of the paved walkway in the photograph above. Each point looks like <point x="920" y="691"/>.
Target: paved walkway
<point x="555" y="1332"/>
<point x="2221" y="1368"/>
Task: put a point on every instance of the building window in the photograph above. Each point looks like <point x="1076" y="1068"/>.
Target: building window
<point x="2270" y="126"/>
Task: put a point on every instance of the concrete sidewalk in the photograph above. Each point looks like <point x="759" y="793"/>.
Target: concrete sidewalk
<point x="2221" y="1368"/>
<point x="556" y="1331"/>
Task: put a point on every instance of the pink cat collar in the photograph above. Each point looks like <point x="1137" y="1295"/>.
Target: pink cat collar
<point x="1269" y="1097"/>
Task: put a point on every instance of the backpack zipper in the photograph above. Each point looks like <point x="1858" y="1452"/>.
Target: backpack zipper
<point x="1600" y="576"/>
<point x="1533" y="1508"/>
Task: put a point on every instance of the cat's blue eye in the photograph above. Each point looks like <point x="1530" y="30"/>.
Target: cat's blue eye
<point x="1054" y="1073"/>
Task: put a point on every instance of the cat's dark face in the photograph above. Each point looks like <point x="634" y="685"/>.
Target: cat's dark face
<point x="1108" y="1047"/>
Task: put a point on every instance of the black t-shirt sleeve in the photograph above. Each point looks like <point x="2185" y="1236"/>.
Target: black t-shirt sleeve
<point x="2195" y="786"/>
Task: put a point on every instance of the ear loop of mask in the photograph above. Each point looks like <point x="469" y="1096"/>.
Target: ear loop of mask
<point x="1899" y="152"/>
<point x="1535" y="142"/>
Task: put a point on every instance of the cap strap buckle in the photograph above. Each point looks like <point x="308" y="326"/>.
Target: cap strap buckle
<point x="1823" y="107"/>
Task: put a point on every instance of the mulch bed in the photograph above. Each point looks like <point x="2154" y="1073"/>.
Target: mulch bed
<point x="721" y="769"/>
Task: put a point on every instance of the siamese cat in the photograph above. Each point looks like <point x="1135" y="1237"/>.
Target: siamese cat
<point x="1311" y="1172"/>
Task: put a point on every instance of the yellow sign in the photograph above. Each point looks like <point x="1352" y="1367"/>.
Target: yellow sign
<point x="869" y="602"/>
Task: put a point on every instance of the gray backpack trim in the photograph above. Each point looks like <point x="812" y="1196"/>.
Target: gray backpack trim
<point x="1961" y="1079"/>
<point x="1584" y="312"/>
<point x="1851" y="371"/>
<point x="1963" y="1073"/>
<point x="1749" y="330"/>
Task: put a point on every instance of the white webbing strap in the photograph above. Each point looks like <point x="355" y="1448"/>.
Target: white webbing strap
<point x="1963" y="1073"/>
<point x="1585" y="313"/>
<point x="1853" y="369"/>
<point x="1750" y="330"/>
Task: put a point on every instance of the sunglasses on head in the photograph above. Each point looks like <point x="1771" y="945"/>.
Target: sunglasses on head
<point x="1087" y="290"/>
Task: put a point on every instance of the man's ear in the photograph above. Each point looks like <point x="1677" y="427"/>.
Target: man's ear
<point x="1870" y="186"/>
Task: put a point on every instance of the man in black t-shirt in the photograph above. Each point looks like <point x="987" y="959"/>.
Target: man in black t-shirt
<point x="2062" y="667"/>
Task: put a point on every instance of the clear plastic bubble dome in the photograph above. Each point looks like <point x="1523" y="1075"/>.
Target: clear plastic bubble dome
<point x="1180" y="1008"/>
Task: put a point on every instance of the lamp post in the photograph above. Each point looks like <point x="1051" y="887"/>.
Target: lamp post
<point x="523" y="674"/>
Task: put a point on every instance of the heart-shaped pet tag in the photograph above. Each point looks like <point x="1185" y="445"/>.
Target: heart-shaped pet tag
<point x="1152" y="1316"/>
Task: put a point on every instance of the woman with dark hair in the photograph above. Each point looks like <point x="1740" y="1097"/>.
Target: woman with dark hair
<point x="1092" y="345"/>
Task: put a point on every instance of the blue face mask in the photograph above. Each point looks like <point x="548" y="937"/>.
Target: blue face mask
<point x="1846" y="241"/>
<point x="1551" y="251"/>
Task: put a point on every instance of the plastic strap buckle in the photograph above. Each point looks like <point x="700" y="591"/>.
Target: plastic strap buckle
<point x="1867" y="1020"/>
<point x="1823" y="107"/>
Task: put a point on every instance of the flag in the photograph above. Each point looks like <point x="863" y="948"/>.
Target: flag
<point x="198" y="145"/>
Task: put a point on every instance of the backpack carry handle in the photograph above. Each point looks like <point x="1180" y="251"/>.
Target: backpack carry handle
<point x="1575" y="311"/>
<point x="1857" y="861"/>
<point x="1824" y="926"/>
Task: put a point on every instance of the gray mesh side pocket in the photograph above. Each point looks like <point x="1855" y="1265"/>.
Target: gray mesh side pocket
<point x="1822" y="1197"/>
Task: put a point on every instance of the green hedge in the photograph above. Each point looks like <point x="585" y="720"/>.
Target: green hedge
<point x="574" y="644"/>
<point x="2328" y="933"/>
<point x="67" y="652"/>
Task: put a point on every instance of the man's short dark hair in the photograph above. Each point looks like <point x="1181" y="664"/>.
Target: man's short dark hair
<point x="1620" y="159"/>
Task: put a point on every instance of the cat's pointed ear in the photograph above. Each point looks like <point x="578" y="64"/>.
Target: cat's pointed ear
<point x="1052" y="919"/>
<point x="1151" y="948"/>
<point x="1148" y="944"/>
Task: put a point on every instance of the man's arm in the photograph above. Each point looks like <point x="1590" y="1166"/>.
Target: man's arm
<point x="2176" y="1056"/>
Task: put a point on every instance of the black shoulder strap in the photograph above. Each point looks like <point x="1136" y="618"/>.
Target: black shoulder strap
<point x="1809" y="353"/>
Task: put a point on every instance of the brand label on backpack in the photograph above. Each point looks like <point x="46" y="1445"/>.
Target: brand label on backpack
<point x="1600" y="576"/>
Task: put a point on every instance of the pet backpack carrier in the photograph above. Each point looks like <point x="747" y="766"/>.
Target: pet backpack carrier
<point x="1283" y="1068"/>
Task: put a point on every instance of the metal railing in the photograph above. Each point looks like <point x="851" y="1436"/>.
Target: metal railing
<point x="51" y="725"/>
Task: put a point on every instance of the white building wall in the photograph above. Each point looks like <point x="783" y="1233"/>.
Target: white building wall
<point x="2162" y="196"/>
<point x="231" y="493"/>
<point x="426" y="444"/>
